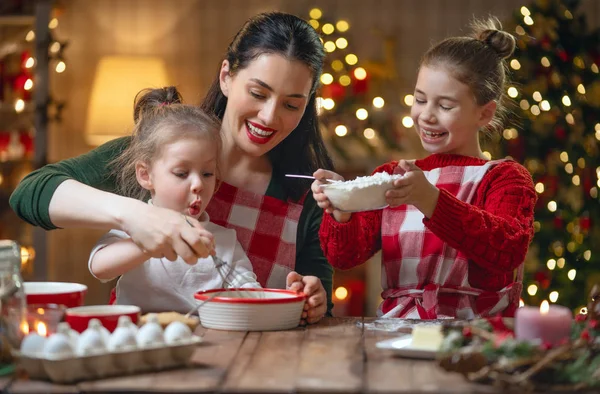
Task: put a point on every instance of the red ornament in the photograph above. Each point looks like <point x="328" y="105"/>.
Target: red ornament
<point x="558" y="222"/>
<point x="360" y="86"/>
<point x="560" y="133"/>
<point x="24" y="56"/>
<point x="4" y="140"/>
<point x="27" y="141"/>
<point x="334" y="91"/>
<point x="585" y="222"/>
<point x="562" y="54"/>
<point x="546" y="43"/>
<point x="540" y="276"/>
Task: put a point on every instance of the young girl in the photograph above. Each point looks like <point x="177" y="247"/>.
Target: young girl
<point x="458" y="226"/>
<point x="172" y="159"/>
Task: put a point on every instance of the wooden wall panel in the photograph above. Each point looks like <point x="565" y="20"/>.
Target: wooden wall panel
<point x="192" y="35"/>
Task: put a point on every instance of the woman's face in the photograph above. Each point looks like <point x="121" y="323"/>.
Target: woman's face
<point x="265" y="101"/>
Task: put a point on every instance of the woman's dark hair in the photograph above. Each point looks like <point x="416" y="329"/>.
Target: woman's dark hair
<point x="303" y="151"/>
<point x="160" y="118"/>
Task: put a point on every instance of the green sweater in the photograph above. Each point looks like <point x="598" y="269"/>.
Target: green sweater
<point x="31" y="201"/>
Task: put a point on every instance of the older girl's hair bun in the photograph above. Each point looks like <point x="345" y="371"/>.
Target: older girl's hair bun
<point x="147" y="101"/>
<point x="489" y="31"/>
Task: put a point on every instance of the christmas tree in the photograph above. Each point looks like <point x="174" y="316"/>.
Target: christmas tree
<point x="555" y="134"/>
<point x="358" y="104"/>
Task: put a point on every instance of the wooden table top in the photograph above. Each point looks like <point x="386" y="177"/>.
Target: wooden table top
<point x="337" y="355"/>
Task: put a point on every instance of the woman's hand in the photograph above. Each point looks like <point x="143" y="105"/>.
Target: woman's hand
<point x="413" y="189"/>
<point x="320" y="197"/>
<point x="166" y="233"/>
<point x="316" y="302"/>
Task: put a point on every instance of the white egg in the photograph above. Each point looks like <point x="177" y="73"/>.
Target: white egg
<point x="90" y="342"/>
<point x="177" y="332"/>
<point x="95" y="324"/>
<point x="125" y="321"/>
<point x="150" y="334"/>
<point x="33" y="345"/>
<point x="65" y="328"/>
<point x="58" y="346"/>
<point x="122" y="339"/>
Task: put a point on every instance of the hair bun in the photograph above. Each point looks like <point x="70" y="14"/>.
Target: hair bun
<point x="148" y="100"/>
<point x="489" y="31"/>
<point x="500" y="41"/>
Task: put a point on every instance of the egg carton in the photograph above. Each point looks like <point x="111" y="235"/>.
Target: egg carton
<point x="103" y="365"/>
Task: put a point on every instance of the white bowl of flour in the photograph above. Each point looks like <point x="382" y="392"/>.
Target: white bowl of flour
<point x="365" y="193"/>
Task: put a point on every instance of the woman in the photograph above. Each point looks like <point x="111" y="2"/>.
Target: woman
<point x="264" y="94"/>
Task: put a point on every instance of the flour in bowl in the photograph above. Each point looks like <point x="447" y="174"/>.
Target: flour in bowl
<point x="361" y="194"/>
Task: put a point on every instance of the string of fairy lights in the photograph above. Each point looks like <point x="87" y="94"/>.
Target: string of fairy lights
<point x="55" y="52"/>
<point x="537" y="106"/>
<point x="19" y="96"/>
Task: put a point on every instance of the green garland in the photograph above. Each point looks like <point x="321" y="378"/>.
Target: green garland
<point x="486" y="351"/>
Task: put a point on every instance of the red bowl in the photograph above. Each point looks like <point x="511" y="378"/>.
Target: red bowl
<point x="61" y="293"/>
<point x="78" y="318"/>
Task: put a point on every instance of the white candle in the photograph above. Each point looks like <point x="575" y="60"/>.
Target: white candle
<point x="550" y="324"/>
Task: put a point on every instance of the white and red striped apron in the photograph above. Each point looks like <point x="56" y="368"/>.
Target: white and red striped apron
<point x="422" y="276"/>
<point x="266" y="228"/>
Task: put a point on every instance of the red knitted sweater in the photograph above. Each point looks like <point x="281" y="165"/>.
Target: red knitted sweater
<point x="494" y="231"/>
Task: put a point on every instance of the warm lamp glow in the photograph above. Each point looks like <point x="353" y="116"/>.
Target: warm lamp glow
<point x="545" y="307"/>
<point x="24" y="327"/>
<point x="118" y="79"/>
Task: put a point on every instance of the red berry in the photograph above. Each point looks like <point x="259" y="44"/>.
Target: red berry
<point x="467" y="332"/>
<point x="546" y="346"/>
<point x="594" y="324"/>
<point x="580" y="317"/>
<point x="585" y="335"/>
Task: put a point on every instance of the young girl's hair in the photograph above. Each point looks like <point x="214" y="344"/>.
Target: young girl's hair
<point x="160" y="118"/>
<point x="303" y="151"/>
<point x="478" y="62"/>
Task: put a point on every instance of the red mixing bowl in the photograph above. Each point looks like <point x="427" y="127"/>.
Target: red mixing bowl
<point x="79" y="318"/>
<point x="61" y="293"/>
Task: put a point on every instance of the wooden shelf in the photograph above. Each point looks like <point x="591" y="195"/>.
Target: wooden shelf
<point x="17" y="20"/>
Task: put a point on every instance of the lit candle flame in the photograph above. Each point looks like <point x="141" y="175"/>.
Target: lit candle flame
<point x="41" y="329"/>
<point x="545" y="307"/>
<point x="24" y="327"/>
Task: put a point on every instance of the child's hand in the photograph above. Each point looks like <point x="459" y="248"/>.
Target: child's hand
<point x="316" y="302"/>
<point x="413" y="189"/>
<point x="162" y="232"/>
<point x="320" y="197"/>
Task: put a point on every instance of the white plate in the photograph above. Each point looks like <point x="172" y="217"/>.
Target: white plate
<point x="401" y="346"/>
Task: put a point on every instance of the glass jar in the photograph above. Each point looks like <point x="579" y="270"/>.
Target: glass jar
<point x="13" y="305"/>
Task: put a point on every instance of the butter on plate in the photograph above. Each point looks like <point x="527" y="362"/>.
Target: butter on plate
<point x="427" y="337"/>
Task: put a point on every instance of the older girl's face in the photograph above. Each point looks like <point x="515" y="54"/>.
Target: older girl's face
<point x="265" y="101"/>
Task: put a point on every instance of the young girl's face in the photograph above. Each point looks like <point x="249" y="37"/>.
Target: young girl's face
<point x="265" y="101"/>
<point x="182" y="177"/>
<point x="445" y="114"/>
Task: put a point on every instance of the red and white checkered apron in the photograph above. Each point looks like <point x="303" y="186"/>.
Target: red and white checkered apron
<point x="266" y="228"/>
<point x="423" y="277"/>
